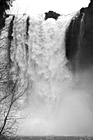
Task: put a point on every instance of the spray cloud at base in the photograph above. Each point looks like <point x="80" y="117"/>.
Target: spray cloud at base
<point x="72" y="114"/>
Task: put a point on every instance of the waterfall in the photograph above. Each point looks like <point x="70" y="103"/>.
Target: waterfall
<point x="43" y="56"/>
<point x="80" y="60"/>
<point x="38" y="63"/>
<point x="38" y="49"/>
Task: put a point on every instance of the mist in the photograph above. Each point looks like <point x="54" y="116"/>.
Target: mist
<point x="71" y="115"/>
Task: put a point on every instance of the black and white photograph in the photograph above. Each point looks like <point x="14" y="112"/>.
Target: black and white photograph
<point x="46" y="69"/>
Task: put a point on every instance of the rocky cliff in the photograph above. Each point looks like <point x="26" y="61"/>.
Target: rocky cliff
<point x="79" y="42"/>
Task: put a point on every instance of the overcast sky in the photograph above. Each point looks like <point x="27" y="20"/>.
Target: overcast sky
<point x="41" y="6"/>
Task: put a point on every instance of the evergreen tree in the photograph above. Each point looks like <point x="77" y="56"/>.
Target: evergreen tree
<point x="5" y="5"/>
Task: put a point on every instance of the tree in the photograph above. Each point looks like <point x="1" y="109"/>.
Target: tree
<point x="8" y="110"/>
<point x="9" y="87"/>
<point x="5" y="5"/>
<point x="7" y="120"/>
<point x="9" y="84"/>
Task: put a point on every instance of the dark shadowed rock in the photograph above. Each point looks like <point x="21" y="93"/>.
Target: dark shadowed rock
<point x="79" y="39"/>
<point x="51" y="14"/>
<point x="71" y="40"/>
<point x="86" y="45"/>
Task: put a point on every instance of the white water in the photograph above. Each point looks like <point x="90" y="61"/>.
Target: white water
<point x="55" y="102"/>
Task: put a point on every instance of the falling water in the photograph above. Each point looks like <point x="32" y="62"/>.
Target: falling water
<point x="51" y="104"/>
<point x="40" y="55"/>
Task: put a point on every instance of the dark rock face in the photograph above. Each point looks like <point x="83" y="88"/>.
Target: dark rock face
<point x="2" y="23"/>
<point x="51" y="14"/>
<point x="79" y="39"/>
<point x="86" y="46"/>
<point x="71" y="40"/>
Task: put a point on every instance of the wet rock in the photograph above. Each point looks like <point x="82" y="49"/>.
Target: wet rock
<point x="51" y="14"/>
<point x="79" y="39"/>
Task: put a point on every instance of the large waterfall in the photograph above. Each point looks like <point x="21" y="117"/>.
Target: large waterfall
<point x="38" y="51"/>
<point x="52" y="103"/>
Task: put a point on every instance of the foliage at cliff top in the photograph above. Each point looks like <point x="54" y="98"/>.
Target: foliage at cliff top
<point x="5" y="5"/>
